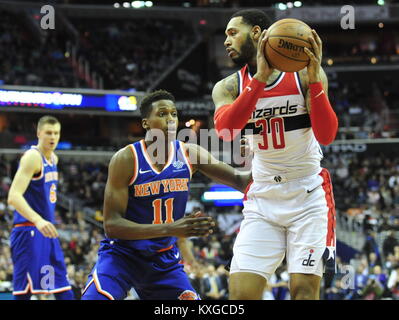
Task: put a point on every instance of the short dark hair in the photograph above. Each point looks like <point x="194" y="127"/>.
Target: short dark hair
<point x="149" y="99"/>
<point x="254" y="17"/>
<point x="47" y="120"/>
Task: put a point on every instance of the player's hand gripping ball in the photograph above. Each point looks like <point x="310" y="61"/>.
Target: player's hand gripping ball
<point x="284" y="49"/>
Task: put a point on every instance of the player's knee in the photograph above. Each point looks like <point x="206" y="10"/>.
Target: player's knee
<point x="246" y="288"/>
<point x="304" y="287"/>
<point x="304" y="291"/>
<point x="303" y="294"/>
<point x="243" y="295"/>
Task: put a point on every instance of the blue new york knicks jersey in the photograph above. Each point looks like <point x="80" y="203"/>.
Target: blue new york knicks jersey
<point x="157" y="197"/>
<point x="32" y="252"/>
<point x="152" y="267"/>
<point x="41" y="193"/>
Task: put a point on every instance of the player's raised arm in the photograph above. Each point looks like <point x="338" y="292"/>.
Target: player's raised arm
<point x="217" y="170"/>
<point x="323" y="118"/>
<point x="232" y="111"/>
<point x="29" y="165"/>
<point x="116" y="200"/>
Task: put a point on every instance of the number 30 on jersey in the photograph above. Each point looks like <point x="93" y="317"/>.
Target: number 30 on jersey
<point x="276" y="128"/>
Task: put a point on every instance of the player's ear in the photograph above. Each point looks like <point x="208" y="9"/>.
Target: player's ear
<point x="256" y="33"/>
<point x="144" y="123"/>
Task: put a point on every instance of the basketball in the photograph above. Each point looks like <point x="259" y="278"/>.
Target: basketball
<point x="284" y="49"/>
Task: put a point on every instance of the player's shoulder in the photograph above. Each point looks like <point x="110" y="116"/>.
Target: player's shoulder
<point x="125" y="154"/>
<point x="227" y="82"/>
<point x="226" y="90"/>
<point x="31" y="160"/>
<point x="198" y="155"/>
<point x="122" y="162"/>
<point x="33" y="155"/>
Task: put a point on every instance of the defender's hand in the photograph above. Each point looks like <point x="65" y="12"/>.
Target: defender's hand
<point x="193" y="225"/>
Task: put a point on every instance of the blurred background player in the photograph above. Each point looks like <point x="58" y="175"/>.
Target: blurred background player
<point x="144" y="206"/>
<point x="290" y="207"/>
<point x="37" y="256"/>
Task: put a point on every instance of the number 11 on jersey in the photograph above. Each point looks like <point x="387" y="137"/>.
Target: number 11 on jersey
<point x="157" y="205"/>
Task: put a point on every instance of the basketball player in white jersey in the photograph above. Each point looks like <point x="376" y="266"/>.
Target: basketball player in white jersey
<point x="289" y="209"/>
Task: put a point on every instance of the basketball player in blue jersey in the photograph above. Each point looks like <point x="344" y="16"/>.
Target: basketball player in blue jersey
<point x="38" y="260"/>
<point x="144" y="207"/>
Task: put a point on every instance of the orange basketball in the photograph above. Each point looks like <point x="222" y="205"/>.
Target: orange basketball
<point x="284" y="48"/>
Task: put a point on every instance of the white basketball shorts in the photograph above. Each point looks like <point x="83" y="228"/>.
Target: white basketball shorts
<point x="293" y="219"/>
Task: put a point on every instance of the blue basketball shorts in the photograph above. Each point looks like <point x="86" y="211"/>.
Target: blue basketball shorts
<point x="39" y="266"/>
<point x="119" y="269"/>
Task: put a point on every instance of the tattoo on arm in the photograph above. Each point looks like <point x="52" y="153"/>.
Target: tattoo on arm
<point x="231" y="85"/>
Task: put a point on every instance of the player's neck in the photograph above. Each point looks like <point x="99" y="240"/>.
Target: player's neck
<point x="45" y="152"/>
<point x="160" y="151"/>
<point x="252" y="67"/>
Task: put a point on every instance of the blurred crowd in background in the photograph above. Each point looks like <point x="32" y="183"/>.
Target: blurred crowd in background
<point x="132" y="55"/>
<point x="126" y="54"/>
<point x="366" y="195"/>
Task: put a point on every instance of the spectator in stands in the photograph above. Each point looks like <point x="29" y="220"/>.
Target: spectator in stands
<point x="213" y="284"/>
<point x="389" y="244"/>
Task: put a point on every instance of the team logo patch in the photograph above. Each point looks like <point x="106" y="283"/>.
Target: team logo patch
<point x="53" y="193"/>
<point x="188" y="295"/>
<point x="309" y="262"/>
<point x="178" y="164"/>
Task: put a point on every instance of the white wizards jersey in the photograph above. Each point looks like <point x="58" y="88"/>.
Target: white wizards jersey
<point x="279" y="130"/>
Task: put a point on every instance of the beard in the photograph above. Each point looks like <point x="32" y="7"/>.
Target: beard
<point x="247" y="52"/>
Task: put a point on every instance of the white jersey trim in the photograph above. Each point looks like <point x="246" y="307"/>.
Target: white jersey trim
<point x="239" y="82"/>
<point x="276" y="82"/>
<point x="298" y="84"/>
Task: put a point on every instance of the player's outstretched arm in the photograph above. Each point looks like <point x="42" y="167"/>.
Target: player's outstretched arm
<point x="30" y="164"/>
<point x="217" y="170"/>
<point x="116" y="196"/>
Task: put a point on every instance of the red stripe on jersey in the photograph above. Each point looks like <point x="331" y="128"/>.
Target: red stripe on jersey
<point x="327" y="187"/>
<point x="246" y="190"/>
<point x="25" y="224"/>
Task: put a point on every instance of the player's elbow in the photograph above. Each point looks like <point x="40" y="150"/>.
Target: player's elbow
<point x="325" y="141"/>
<point x="110" y="228"/>
<point x="11" y="199"/>
<point x="326" y="135"/>
<point x="224" y="129"/>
